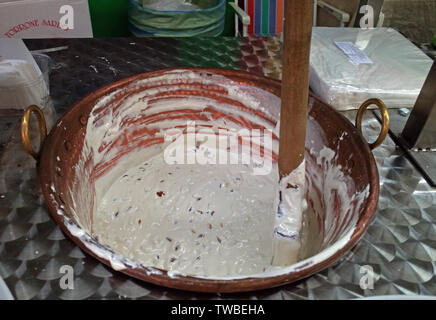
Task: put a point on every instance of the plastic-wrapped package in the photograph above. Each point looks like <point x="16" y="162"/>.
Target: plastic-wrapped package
<point x="24" y="80"/>
<point x="395" y="71"/>
<point x="20" y="84"/>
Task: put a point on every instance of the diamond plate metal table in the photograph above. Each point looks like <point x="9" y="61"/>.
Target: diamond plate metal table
<point x="400" y="245"/>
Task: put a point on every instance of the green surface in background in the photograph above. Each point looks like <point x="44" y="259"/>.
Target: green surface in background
<point x="265" y="17"/>
<point x="229" y="27"/>
<point x="109" y="18"/>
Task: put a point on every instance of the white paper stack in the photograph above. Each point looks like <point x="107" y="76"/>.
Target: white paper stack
<point x="349" y="66"/>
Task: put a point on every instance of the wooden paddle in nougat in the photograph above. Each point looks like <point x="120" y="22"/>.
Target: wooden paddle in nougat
<point x="295" y="83"/>
<point x="295" y="98"/>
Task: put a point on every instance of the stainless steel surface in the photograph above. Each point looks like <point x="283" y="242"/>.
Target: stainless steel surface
<point x="426" y="162"/>
<point x="5" y="293"/>
<point x="420" y="129"/>
<point x="423" y="159"/>
<point x="400" y="245"/>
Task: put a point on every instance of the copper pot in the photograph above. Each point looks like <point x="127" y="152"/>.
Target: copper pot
<point x="325" y="128"/>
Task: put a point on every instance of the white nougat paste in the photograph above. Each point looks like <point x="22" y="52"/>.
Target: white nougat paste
<point x="214" y="221"/>
<point x="206" y="220"/>
<point x="209" y="220"/>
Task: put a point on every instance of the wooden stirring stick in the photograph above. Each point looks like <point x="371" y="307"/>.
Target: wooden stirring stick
<point x="295" y="84"/>
<point x="293" y="117"/>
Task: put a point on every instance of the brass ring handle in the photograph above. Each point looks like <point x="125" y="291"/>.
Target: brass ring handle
<point x="385" y="120"/>
<point x="25" y="129"/>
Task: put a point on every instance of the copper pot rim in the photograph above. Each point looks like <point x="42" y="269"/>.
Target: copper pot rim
<point x="206" y="285"/>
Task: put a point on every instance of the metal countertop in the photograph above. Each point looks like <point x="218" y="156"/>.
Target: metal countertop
<point x="399" y="246"/>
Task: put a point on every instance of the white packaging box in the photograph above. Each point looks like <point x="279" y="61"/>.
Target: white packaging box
<point x="26" y="19"/>
<point x="396" y="74"/>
